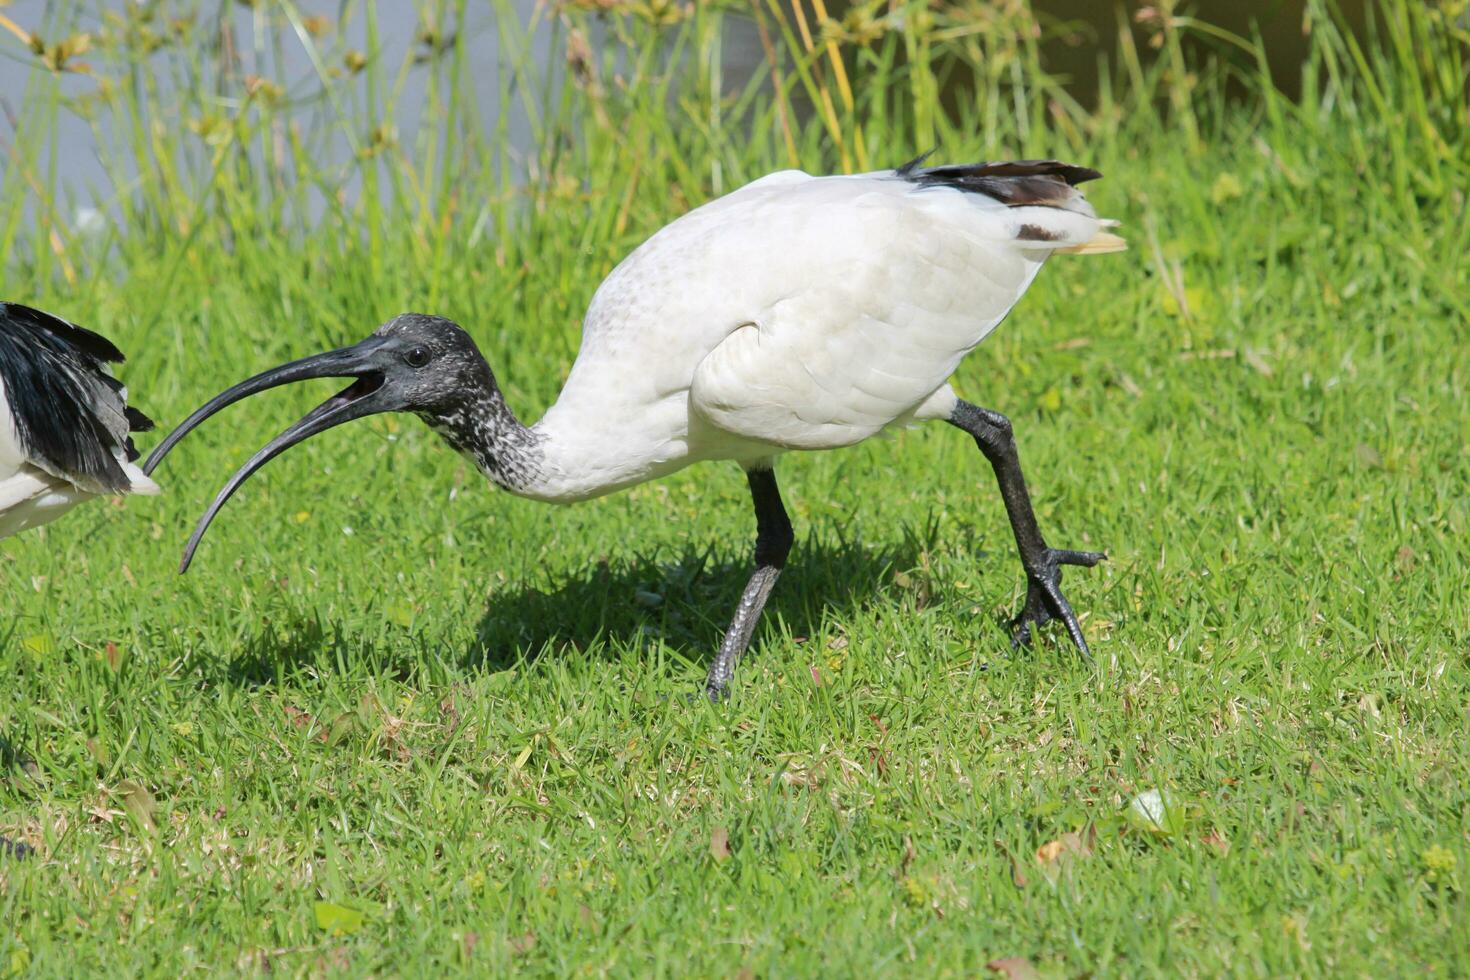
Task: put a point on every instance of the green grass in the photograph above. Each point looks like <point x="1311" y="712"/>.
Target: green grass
<point x="387" y="688"/>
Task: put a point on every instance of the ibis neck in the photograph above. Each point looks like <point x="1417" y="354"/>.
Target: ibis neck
<point x="484" y="429"/>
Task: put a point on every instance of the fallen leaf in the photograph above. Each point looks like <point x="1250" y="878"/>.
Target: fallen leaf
<point x="719" y="844"/>
<point x="299" y="719"/>
<point x="305" y="721"/>
<point x="1014" y="967"/>
<point x="1018" y="875"/>
<point x="1215" y="841"/>
<point x="1156" y="812"/>
<point x="522" y="944"/>
<point x="337" y="919"/>
<point x="1068" y="845"/>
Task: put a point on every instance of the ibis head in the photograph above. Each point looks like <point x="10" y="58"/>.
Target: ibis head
<point x="414" y="363"/>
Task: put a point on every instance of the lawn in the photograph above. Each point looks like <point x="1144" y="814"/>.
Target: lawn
<point x="395" y="722"/>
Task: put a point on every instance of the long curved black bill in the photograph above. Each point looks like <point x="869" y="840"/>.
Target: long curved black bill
<point x="345" y="362"/>
<point x="365" y="396"/>
<point x="355" y="402"/>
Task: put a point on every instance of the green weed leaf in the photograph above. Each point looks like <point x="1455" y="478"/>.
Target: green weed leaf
<point x="339" y="920"/>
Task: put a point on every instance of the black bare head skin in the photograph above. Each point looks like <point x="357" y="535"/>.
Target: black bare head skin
<point x="432" y="366"/>
<point x="413" y="363"/>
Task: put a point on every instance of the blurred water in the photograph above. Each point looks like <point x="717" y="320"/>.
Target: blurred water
<point x="76" y="154"/>
<point x="87" y="188"/>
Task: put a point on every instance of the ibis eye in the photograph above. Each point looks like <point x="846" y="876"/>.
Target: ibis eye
<point x="417" y="357"/>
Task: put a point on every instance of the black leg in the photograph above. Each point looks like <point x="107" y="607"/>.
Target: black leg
<point x="773" y="539"/>
<point x="1044" y="599"/>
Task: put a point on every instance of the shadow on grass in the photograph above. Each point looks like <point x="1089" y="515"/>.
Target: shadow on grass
<point x="685" y="603"/>
<point x="278" y="651"/>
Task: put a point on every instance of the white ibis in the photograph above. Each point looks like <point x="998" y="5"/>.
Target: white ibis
<point x="797" y="312"/>
<point x="65" y="423"/>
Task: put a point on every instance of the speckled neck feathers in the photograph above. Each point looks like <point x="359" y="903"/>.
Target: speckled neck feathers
<point x="484" y="429"/>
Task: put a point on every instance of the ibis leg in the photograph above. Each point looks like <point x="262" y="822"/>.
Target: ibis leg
<point x="773" y="539"/>
<point x="1044" y="599"/>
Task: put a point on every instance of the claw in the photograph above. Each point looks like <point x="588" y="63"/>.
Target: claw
<point x="1044" y="599"/>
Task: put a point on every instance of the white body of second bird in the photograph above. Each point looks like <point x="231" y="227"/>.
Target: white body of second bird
<point x="64" y="421"/>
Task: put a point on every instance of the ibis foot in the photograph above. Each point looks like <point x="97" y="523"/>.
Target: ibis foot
<point x="1044" y="598"/>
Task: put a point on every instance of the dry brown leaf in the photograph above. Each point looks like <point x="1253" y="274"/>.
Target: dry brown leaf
<point x="1068" y="845"/>
<point x="305" y="721"/>
<point x="1214" y="840"/>
<point x="719" y="844"/>
<point x="1014" y="967"/>
<point x="297" y="717"/>
<point x="1017" y="874"/>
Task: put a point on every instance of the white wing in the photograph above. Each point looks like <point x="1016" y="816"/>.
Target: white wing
<point x="908" y="280"/>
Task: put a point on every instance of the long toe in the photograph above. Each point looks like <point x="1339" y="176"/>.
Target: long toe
<point x="1045" y="601"/>
<point x="1033" y="613"/>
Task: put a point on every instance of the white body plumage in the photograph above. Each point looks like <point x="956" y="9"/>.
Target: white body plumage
<point x="797" y="312"/>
